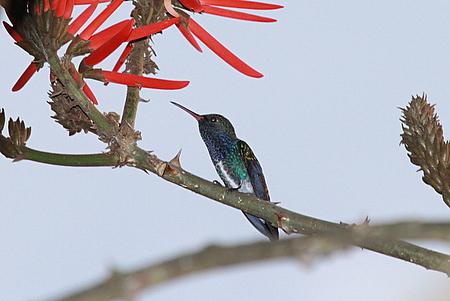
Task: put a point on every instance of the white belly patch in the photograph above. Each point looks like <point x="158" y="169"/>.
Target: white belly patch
<point x="246" y="185"/>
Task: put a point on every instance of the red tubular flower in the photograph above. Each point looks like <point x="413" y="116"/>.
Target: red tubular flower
<point x="87" y="91"/>
<point x="69" y="9"/>
<point x="189" y="37"/>
<point x="80" y="2"/>
<point x="112" y="44"/>
<point x="221" y="51"/>
<point x="214" y="7"/>
<point x="81" y="19"/>
<point x="89" y="94"/>
<point x="17" y="37"/>
<point x="54" y="4"/>
<point x="25" y="77"/>
<point x="234" y="14"/>
<point x="61" y="7"/>
<point x="46" y="5"/>
<point x="132" y="80"/>
<point x="242" y="4"/>
<point x="123" y="57"/>
<point x="101" y="44"/>
<point x="100" y="19"/>
<point x="103" y="36"/>
<point x="145" y="31"/>
<point x="37" y="9"/>
<point x="205" y="7"/>
<point x="193" y="5"/>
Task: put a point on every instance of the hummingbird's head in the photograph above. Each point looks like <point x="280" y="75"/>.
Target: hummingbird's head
<point x="211" y="124"/>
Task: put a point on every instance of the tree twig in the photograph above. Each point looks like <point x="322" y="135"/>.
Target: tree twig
<point x="129" y="284"/>
<point x="74" y="160"/>
<point x="290" y="222"/>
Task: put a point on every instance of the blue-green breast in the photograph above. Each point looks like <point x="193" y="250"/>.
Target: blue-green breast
<point x="227" y="160"/>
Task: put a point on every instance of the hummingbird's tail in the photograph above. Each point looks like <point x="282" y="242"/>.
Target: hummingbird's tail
<point x="262" y="226"/>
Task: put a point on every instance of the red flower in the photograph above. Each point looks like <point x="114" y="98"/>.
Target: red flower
<point x="25" y="77"/>
<point x="99" y="45"/>
<point x="110" y="45"/>
<point x="123" y="57"/>
<point x="135" y="80"/>
<point x="214" y="7"/>
<point x="100" y="19"/>
<point x="81" y="19"/>
<point x="16" y="36"/>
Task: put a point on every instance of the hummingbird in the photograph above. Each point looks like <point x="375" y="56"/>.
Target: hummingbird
<point x="235" y="162"/>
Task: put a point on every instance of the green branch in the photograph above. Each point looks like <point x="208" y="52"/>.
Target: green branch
<point x="87" y="160"/>
<point x="133" y="94"/>
<point x="129" y="284"/>
<point x="139" y="61"/>
<point x="289" y="221"/>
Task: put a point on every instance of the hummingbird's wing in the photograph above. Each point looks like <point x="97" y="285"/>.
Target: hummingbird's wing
<point x="258" y="182"/>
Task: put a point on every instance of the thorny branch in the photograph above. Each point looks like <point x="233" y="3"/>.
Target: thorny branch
<point x="422" y="137"/>
<point x="129" y="284"/>
<point x="290" y="222"/>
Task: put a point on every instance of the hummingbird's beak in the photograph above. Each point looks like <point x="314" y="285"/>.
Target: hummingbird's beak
<point x="193" y="114"/>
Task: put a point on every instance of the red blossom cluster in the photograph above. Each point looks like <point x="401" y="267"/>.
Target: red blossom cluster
<point x="98" y="45"/>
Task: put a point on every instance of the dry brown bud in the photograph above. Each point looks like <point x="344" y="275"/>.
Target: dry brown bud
<point x="68" y="113"/>
<point x="424" y="140"/>
<point x="12" y="146"/>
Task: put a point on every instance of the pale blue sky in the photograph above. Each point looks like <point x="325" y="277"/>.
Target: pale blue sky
<point x="324" y="123"/>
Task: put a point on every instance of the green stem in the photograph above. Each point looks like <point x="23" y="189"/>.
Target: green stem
<point x="133" y="94"/>
<point x="88" y="160"/>
<point x="136" y="66"/>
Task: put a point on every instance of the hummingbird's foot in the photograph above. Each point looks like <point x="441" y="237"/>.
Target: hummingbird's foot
<point x="236" y="188"/>
<point x="217" y="183"/>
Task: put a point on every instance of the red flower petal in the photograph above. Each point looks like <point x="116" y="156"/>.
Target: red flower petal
<point x="234" y="14"/>
<point x="46" y="5"/>
<point x="37" y="9"/>
<point x="169" y="8"/>
<point x="145" y="31"/>
<point x="17" y="37"/>
<point x="25" y="77"/>
<point x="194" y="5"/>
<point x="112" y="44"/>
<point x="101" y="37"/>
<point x="100" y="19"/>
<point x="221" y="51"/>
<point x="89" y="94"/>
<point x="61" y="8"/>
<point x="189" y="37"/>
<point x="87" y="91"/>
<point x="81" y="19"/>
<point x="69" y="9"/>
<point x="81" y="2"/>
<point x="141" y="81"/>
<point x="242" y="4"/>
<point x="123" y="57"/>
<point x="54" y="4"/>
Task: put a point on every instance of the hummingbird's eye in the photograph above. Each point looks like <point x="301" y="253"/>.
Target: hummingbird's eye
<point x="214" y="119"/>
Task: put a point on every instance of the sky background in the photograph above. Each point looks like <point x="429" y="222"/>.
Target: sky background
<point x="323" y="122"/>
